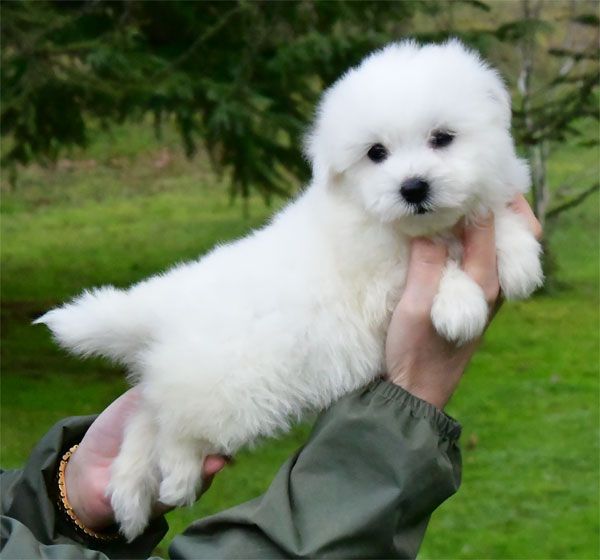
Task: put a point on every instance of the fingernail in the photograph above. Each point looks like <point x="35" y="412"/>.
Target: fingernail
<point x="484" y="220"/>
<point x="459" y="228"/>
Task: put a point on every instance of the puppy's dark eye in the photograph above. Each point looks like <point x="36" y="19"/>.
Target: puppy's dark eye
<point x="377" y="153"/>
<point x="441" y="138"/>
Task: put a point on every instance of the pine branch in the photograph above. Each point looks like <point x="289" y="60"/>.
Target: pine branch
<point x="202" y="38"/>
<point x="573" y="202"/>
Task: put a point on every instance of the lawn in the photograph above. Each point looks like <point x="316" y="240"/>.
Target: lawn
<point x="131" y="205"/>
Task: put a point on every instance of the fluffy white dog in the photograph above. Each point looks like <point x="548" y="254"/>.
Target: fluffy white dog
<point x="232" y="347"/>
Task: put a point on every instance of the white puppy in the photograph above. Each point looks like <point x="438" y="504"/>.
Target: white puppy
<point x="232" y="347"/>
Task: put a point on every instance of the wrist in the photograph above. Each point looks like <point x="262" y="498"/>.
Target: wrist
<point x="85" y="493"/>
<point x="427" y="394"/>
<point x="433" y="381"/>
<point x="434" y="387"/>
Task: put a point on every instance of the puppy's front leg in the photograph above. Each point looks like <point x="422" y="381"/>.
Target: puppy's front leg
<point x="519" y="256"/>
<point x="460" y="310"/>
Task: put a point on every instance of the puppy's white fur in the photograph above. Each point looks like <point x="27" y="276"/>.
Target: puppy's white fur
<point x="234" y="346"/>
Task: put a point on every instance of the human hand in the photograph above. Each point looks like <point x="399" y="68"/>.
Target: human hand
<point x="88" y="471"/>
<point x="417" y="357"/>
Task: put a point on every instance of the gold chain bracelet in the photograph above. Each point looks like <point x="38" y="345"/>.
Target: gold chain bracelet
<point x="66" y="505"/>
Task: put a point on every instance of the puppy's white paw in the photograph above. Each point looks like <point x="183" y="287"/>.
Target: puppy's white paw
<point x="131" y="498"/>
<point x="178" y="490"/>
<point x="181" y="472"/>
<point x="519" y="256"/>
<point x="520" y="269"/>
<point x="460" y="311"/>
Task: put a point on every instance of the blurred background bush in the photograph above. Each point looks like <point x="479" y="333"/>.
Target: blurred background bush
<point x="137" y="134"/>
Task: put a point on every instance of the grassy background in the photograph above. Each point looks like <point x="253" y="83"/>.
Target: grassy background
<point x="131" y="206"/>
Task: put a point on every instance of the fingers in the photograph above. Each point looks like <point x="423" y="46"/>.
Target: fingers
<point x="426" y="264"/>
<point x="213" y="464"/>
<point x="519" y="205"/>
<point x="479" y="257"/>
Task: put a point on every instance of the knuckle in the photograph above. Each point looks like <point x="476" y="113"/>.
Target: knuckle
<point x="414" y="309"/>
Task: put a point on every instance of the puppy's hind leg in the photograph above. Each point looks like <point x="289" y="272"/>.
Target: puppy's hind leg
<point x="133" y="487"/>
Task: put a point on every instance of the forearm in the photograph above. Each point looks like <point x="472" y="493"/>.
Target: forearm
<point x="32" y="524"/>
<point x="377" y="465"/>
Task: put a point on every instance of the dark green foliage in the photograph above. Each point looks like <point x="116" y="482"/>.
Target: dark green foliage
<point x="240" y="76"/>
<point x="587" y="19"/>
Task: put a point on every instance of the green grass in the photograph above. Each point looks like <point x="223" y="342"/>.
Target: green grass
<point x="529" y="404"/>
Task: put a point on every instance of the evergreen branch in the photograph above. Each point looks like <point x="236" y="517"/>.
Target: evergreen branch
<point x="202" y="38"/>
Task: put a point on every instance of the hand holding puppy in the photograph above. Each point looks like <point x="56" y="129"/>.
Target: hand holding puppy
<point x="417" y="357"/>
<point x="88" y="471"/>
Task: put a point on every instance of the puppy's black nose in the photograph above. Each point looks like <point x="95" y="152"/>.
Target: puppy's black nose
<point x="414" y="190"/>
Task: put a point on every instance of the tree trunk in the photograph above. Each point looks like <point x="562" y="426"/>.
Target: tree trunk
<point x="539" y="185"/>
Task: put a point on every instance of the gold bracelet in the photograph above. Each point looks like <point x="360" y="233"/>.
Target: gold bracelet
<point x="66" y="505"/>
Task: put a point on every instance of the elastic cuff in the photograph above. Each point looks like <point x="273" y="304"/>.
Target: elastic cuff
<point x="447" y="426"/>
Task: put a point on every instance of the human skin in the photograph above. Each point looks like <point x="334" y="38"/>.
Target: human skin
<point x="417" y="358"/>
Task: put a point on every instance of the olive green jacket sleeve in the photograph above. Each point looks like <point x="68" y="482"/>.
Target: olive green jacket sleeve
<point x="33" y="526"/>
<point x="377" y="464"/>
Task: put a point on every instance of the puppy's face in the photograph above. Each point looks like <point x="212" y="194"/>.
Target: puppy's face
<point x="418" y="136"/>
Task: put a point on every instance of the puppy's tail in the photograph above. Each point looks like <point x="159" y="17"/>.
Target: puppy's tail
<point x="104" y="322"/>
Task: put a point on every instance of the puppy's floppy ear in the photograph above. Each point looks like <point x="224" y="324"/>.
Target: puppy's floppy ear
<point x="495" y="87"/>
<point x="328" y="160"/>
<point x="314" y="155"/>
<point x="498" y="93"/>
